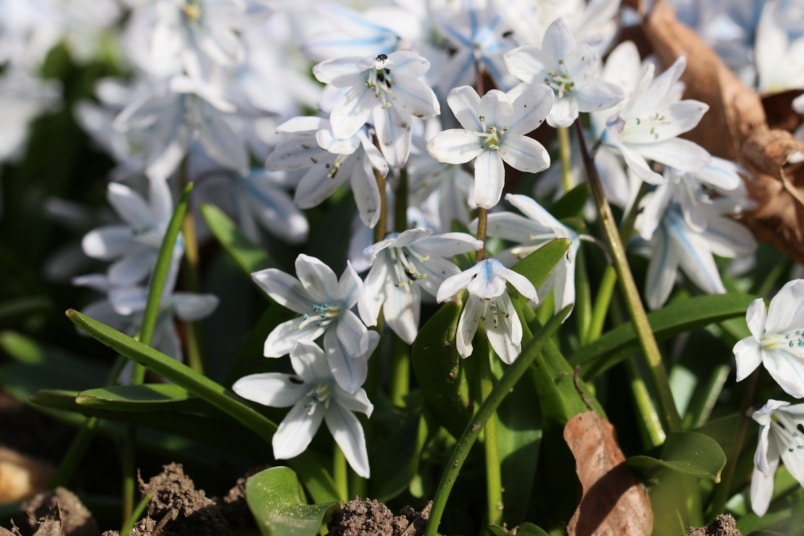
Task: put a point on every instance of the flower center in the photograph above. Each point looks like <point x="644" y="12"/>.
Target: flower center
<point x="491" y="135"/>
<point x="192" y="10"/>
<point x="790" y="341"/>
<point x="318" y="395"/>
<point x="789" y="432"/>
<point x="491" y="312"/>
<point x="560" y="80"/>
<point x="379" y="79"/>
<point x="405" y="270"/>
<point x="322" y="316"/>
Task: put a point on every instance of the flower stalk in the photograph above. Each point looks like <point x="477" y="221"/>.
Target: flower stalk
<point x="671" y="422"/>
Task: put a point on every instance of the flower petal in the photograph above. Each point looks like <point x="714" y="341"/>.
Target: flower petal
<point x="472" y="312"/>
<point x="287" y="334"/>
<point x="747" y="356"/>
<point x="270" y="389"/>
<point x="455" y="146"/>
<point x="348" y="434"/>
<point x="524" y="154"/>
<point x="465" y="105"/>
<point x="296" y="431"/>
<point x="489" y="179"/>
<point x="284" y="289"/>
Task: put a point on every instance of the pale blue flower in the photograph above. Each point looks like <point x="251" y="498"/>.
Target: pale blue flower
<point x="495" y="129"/>
<point x="315" y="397"/>
<point x="324" y="302"/>
<point x="489" y="302"/>
<point x="777" y="339"/>
<point x="404" y="264"/>
<point x="781" y="437"/>
<point x="571" y="69"/>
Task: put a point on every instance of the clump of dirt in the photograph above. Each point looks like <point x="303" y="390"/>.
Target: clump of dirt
<point x="58" y="513"/>
<point x="723" y="525"/>
<point x="368" y="517"/>
<point x="176" y="507"/>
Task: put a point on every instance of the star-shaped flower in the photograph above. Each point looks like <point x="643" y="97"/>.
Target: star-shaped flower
<point x="494" y="131"/>
<point x="777" y="339"/>
<point x="490" y="303"/>
<point x="387" y="90"/>
<point x="571" y="69"/>
<point x="781" y="436"/>
<point x="315" y="397"/>
<point x="324" y="303"/>
<point x="403" y="265"/>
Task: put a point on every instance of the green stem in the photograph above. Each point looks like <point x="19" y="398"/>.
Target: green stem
<point x="400" y="371"/>
<point x="602" y="301"/>
<point x="129" y="523"/>
<point x="192" y="283"/>
<point x="129" y="465"/>
<point x="381" y="229"/>
<point x="649" y="421"/>
<point x="494" y="499"/>
<point x="583" y="298"/>
<point x="671" y="422"/>
<point x="721" y="495"/>
<point x="565" y="155"/>
<point x="482" y="224"/>
<point x="401" y="202"/>
<point x="340" y="473"/>
<point x="486" y="410"/>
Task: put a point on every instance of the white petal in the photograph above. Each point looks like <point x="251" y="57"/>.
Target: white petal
<point x="504" y="334"/>
<point x="402" y="309"/>
<point x="339" y="70"/>
<point x="191" y="307"/>
<point x="662" y="270"/>
<point x="531" y="104"/>
<point x="755" y="317"/>
<point x="489" y="179"/>
<point x="365" y="191"/>
<point x="348" y="434"/>
<point x="448" y="244"/>
<point x="130" y="206"/>
<point x="787" y="368"/>
<point x="284" y="289"/>
<point x="465" y="105"/>
<point x="747" y="356"/>
<point x="785" y="308"/>
<point x="287" y="334"/>
<point x="518" y="281"/>
<point x="352" y="333"/>
<point x="349" y="370"/>
<point x="487" y="284"/>
<point x="598" y="95"/>
<point x="467" y="325"/>
<point x="276" y="212"/>
<point x="454" y="284"/>
<point x="496" y="109"/>
<point x="106" y="243"/>
<point x="270" y="389"/>
<point x="455" y="146"/>
<point x="132" y="268"/>
<point x="762" y="490"/>
<point x="524" y="154"/>
<point x="526" y="63"/>
<point x="394" y="133"/>
<point x="296" y="431"/>
<point x="317" y="278"/>
<point x="564" y="112"/>
<point x="352" y="111"/>
<point x="676" y="152"/>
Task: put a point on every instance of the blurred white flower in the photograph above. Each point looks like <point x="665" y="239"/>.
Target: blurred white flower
<point x="571" y="69"/>
<point x="495" y="129"/>
<point x="781" y="437"/>
<point x="779" y="59"/>
<point x="777" y="339"/>
<point x="133" y="245"/>
<point x="315" y="397"/>
<point x="489" y="302"/>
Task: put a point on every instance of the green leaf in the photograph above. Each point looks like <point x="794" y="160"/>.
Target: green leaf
<point x="676" y="318"/>
<point x="571" y="203"/>
<point x="248" y="256"/>
<point x="155" y="397"/>
<point x="275" y="499"/>
<point x="310" y="467"/>
<point x="688" y="453"/>
<point x="54" y="366"/>
<point x="538" y="265"/>
<point x="395" y="455"/>
<point x="439" y="369"/>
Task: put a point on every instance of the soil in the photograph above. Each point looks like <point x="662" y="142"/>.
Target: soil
<point x="723" y="525"/>
<point x="368" y="517"/>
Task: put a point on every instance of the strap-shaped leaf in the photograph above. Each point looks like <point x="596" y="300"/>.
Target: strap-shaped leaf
<point x="309" y="466"/>
<point x="145" y="397"/>
<point x="676" y="318"/>
<point x="248" y="256"/>
<point x="275" y="499"/>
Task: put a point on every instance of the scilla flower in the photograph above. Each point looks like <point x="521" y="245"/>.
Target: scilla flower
<point x="315" y="397"/>
<point x="781" y="436"/>
<point x="323" y="301"/>
<point x="490" y="303"/>
<point x="777" y="339"/>
<point x="495" y="129"/>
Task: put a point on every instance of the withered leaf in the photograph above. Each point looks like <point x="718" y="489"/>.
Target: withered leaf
<point x="614" y="501"/>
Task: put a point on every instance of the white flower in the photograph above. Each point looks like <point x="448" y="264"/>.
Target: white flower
<point x="570" y="69"/>
<point x="315" y="396"/>
<point x="781" y="436"/>
<point x="310" y="144"/>
<point x="777" y="339"/>
<point x="135" y="244"/>
<point x="779" y="60"/>
<point x="649" y="122"/>
<point x="489" y="302"/>
<point x="494" y="131"/>
<point x="530" y="232"/>
<point x="324" y="302"/>
<point x="387" y="90"/>
<point x="403" y="265"/>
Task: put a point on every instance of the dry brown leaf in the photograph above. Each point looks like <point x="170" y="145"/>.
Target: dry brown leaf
<point x="736" y="128"/>
<point x="614" y="501"/>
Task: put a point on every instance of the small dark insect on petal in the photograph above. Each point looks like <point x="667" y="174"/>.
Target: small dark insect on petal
<point x="382" y="57"/>
<point x="296" y="380"/>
